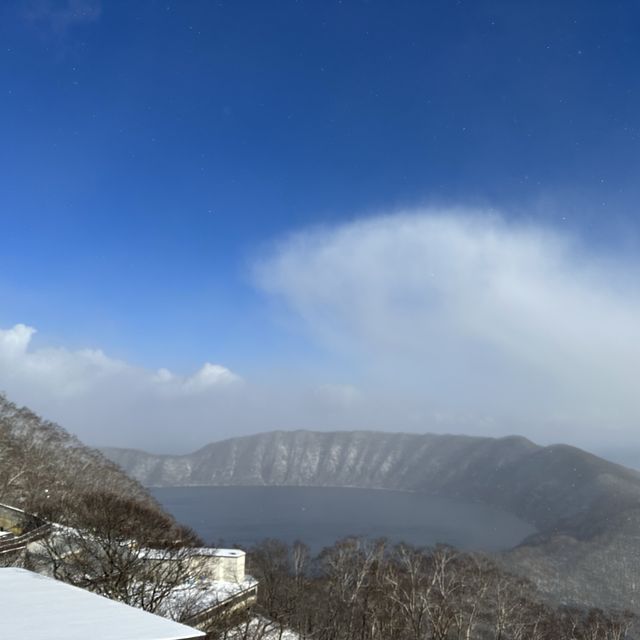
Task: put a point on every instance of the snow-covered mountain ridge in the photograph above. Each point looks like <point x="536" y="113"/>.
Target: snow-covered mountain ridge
<point x="543" y="485"/>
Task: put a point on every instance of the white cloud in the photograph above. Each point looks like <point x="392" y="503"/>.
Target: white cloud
<point x="68" y="373"/>
<point x="14" y="342"/>
<point x="469" y="314"/>
<point x="209" y="376"/>
<point x="103" y="398"/>
<point x="65" y="373"/>
<point x="444" y="321"/>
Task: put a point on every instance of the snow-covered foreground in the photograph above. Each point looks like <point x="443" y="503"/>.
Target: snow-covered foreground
<point x="259" y="628"/>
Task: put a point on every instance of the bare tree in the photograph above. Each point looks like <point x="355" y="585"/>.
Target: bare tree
<point x="120" y="549"/>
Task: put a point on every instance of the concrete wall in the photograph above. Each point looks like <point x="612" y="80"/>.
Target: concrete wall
<point x="227" y="566"/>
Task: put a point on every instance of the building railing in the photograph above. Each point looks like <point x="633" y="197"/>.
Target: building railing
<point x="245" y="597"/>
<point x="16" y="543"/>
<point x="31" y="528"/>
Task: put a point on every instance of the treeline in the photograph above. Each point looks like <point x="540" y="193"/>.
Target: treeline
<point x="372" y="590"/>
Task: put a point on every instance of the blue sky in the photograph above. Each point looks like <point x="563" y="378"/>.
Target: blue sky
<point x="157" y="157"/>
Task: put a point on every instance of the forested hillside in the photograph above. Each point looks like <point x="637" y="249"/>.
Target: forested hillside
<point x="102" y="520"/>
<point x="370" y="590"/>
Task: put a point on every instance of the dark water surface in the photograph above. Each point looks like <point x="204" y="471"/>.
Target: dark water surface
<point x="320" y="516"/>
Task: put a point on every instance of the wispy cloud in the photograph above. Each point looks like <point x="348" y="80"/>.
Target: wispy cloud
<point x="473" y="316"/>
<point x="59" y="16"/>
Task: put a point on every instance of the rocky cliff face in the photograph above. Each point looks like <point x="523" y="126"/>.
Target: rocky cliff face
<point x="586" y="509"/>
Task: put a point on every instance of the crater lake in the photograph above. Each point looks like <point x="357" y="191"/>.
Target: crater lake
<point x="318" y="517"/>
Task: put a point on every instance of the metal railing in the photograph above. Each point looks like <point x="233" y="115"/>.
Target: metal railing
<point x="16" y="543"/>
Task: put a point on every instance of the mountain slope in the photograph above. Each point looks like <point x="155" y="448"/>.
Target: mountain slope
<point x="46" y="470"/>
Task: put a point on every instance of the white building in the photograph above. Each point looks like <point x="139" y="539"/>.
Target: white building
<point x="225" y="565"/>
<point x="216" y="583"/>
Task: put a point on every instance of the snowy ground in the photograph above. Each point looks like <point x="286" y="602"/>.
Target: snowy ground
<point x="200" y="595"/>
<point x="259" y="628"/>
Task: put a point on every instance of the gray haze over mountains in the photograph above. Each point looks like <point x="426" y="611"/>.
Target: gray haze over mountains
<point x="440" y="320"/>
<point x="586" y="510"/>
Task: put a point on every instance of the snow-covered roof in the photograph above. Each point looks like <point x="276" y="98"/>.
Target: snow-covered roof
<point x="168" y="554"/>
<point x="40" y="608"/>
<point x="218" y="553"/>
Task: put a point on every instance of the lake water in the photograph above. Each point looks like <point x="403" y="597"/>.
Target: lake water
<point x="320" y="516"/>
